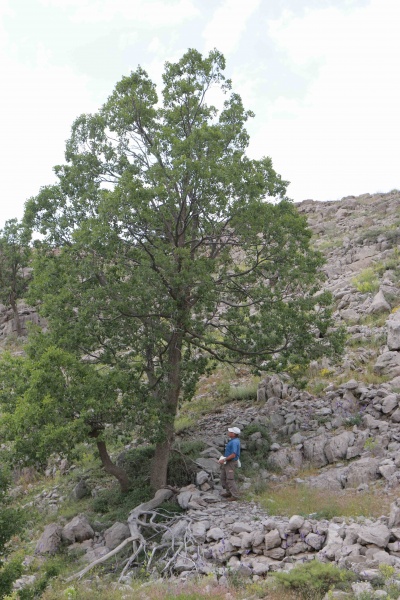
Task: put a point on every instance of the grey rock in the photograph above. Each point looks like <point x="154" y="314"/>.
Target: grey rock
<point x="360" y="471"/>
<point x="388" y="363"/>
<point x="389" y="403"/>
<point x="393" y="337"/>
<point x="315" y="541"/>
<point x="314" y="450"/>
<point x="277" y="553"/>
<point x="183" y="499"/>
<point x="209" y="465"/>
<point x="377" y="534"/>
<point x="95" y="553"/>
<point x="272" y="539"/>
<point x="337" y="447"/>
<point x="202" y="477"/>
<point x="77" y="530"/>
<point x="260" y="567"/>
<point x="379" y="304"/>
<point x="215" y="534"/>
<point x="361" y="588"/>
<point x="116" y="534"/>
<point x="297" y="438"/>
<point x="395" y="417"/>
<point x="184" y="564"/>
<point x="239" y="527"/>
<point x="50" y="540"/>
<point x="81" y="490"/>
<point x="394" y="517"/>
<point x="387" y="470"/>
<point x="199" y="530"/>
<point x="296" y="522"/>
<point x="23" y="582"/>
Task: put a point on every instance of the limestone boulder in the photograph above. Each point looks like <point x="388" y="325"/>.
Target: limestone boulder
<point x="361" y="471"/>
<point x="215" y="534"/>
<point x="393" y="337"/>
<point x="296" y="522"/>
<point x="379" y="304"/>
<point x="116" y="534"/>
<point x="394" y="517"/>
<point x="313" y="449"/>
<point x="389" y="403"/>
<point x="377" y="534"/>
<point x="209" y="465"/>
<point x="337" y="446"/>
<point x="315" y="540"/>
<point x="199" y="530"/>
<point x="77" y="530"/>
<point x="388" y="363"/>
<point x="50" y="540"/>
<point x="272" y="539"/>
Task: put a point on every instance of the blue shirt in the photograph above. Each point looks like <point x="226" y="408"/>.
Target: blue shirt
<point x="233" y="447"/>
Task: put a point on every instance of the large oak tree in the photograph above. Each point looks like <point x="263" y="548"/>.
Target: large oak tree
<point x="167" y="249"/>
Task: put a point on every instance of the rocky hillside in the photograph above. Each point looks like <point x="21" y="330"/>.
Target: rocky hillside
<point x="338" y="432"/>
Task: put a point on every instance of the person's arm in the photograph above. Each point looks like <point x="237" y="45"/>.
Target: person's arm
<point x="230" y="457"/>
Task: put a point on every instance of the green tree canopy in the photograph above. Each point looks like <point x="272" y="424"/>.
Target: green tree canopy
<point x="164" y="252"/>
<point x="50" y="402"/>
<point x="15" y="253"/>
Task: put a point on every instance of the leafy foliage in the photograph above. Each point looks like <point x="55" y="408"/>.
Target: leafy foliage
<point x="11" y="519"/>
<point x="15" y="255"/>
<point x="161" y="255"/>
<point x="50" y="401"/>
<point x="313" y="579"/>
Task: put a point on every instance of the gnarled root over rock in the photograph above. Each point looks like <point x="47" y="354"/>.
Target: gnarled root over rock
<point x="145" y="537"/>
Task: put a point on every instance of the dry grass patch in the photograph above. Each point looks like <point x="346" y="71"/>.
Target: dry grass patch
<point x="304" y="500"/>
<point x="195" y="590"/>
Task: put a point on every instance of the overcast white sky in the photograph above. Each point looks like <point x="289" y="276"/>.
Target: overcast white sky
<point x="322" y="77"/>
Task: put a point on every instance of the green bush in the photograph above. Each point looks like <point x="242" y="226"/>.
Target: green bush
<point x="314" y="579"/>
<point x="244" y="392"/>
<point x="9" y="572"/>
<point x="117" y="505"/>
<point x="366" y="281"/>
<point x="181" y="466"/>
<point x="256" y="450"/>
<point x="181" y="471"/>
<point x="53" y="568"/>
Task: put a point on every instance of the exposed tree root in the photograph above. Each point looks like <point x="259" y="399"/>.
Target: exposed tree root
<point x="145" y="537"/>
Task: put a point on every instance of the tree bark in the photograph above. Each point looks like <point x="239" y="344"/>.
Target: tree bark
<point x="17" y="321"/>
<point x="159" y="466"/>
<point x="111" y="468"/>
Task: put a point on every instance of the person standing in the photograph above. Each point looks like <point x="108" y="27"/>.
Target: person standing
<point x="229" y="464"/>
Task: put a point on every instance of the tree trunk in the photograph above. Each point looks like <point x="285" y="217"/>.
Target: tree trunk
<point x="16" y="316"/>
<point x="159" y="466"/>
<point x="111" y="468"/>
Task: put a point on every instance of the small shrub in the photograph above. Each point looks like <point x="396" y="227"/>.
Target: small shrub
<point x="53" y="568"/>
<point x="366" y="281"/>
<point x="117" y="505"/>
<point x="354" y="420"/>
<point x="9" y="572"/>
<point x="183" y="423"/>
<point x="244" y="392"/>
<point x="181" y="466"/>
<point x="314" y="578"/>
<point x="257" y="450"/>
<point x="370" y="445"/>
